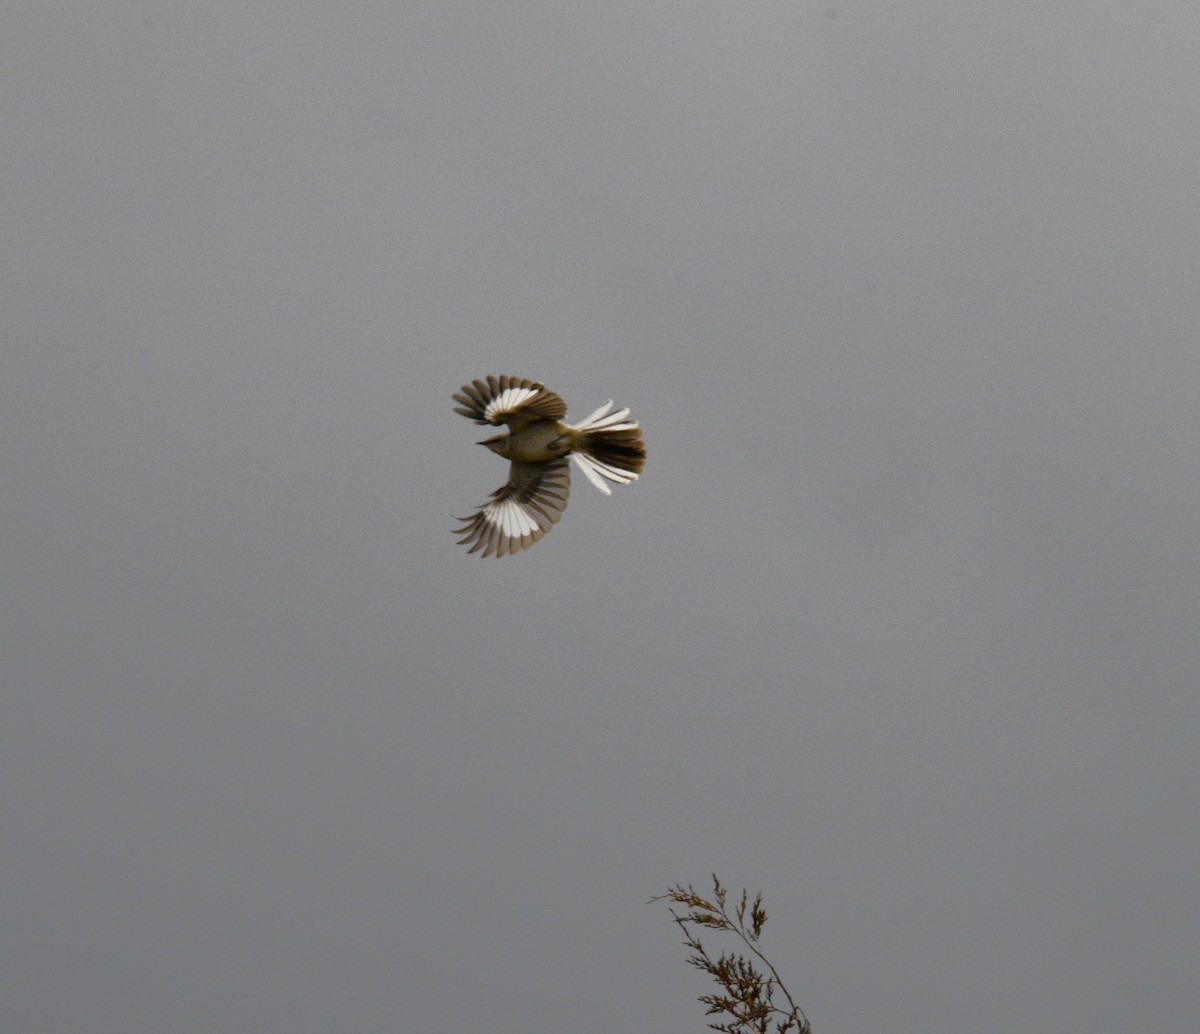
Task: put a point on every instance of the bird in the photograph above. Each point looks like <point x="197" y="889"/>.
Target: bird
<point x="607" y="445"/>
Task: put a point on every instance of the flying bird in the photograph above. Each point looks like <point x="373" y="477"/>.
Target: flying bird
<point x="606" y="445"/>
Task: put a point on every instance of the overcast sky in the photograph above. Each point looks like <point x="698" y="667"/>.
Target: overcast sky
<point x="901" y="624"/>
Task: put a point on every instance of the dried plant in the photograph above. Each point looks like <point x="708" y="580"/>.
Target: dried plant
<point x="747" y="995"/>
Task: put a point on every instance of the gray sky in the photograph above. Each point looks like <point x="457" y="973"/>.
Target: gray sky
<point x="900" y="625"/>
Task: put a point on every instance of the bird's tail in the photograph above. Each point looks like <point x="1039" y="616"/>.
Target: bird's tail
<point x="609" y="445"/>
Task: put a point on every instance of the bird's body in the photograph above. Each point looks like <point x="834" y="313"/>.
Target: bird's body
<point x="605" y="446"/>
<point x="538" y="442"/>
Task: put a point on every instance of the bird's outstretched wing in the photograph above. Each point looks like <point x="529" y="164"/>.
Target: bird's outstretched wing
<point x="520" y="512"/>
<point x="508" y="400"/>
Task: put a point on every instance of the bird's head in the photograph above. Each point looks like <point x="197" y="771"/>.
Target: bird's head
<point x="496" y="444"/>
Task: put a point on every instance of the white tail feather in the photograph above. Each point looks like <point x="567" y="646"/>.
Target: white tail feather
<point x="597" y="471"/>
<point x="589" y="468"/>
<point x="599" y="421"/>
<point x="598" y="426"/>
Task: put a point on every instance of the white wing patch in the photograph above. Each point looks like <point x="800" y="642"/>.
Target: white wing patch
<point x="514" y="519"/>
<point x="521" y="511"/>
<point x="508" y="400"/>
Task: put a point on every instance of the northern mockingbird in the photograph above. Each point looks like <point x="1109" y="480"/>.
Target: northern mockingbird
<point x="606" y="445"/>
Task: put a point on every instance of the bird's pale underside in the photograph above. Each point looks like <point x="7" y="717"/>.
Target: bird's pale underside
<point x="607" y="446"/>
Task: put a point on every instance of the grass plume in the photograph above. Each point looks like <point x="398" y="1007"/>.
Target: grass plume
<point x="747" y="984"/>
